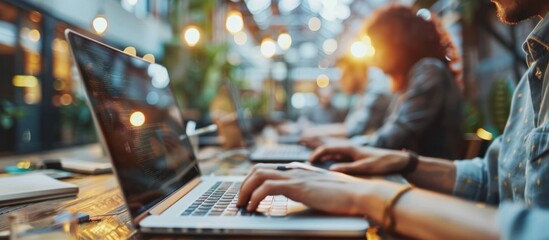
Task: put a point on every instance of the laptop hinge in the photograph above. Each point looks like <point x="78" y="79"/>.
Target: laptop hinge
<point x="172" y="199"/>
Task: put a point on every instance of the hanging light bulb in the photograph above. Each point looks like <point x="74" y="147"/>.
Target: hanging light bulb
<point x="284" y="41"/>
<point x="100" y="24"/>
<point x="234" y="22"/>
<point x="268" y="47"/>
<point x="191" y="36"/>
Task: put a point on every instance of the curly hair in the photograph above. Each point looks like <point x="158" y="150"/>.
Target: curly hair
<point x="410" y="37"/>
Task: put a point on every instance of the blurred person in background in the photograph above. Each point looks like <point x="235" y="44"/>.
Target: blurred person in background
<point x="324" y="112"/>
<point x="367" y="111"/>
<point x="419" y="56"/>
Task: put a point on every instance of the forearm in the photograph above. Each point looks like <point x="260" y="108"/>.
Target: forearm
<point x="423" y="214"/>
<point x="434" y="174"/>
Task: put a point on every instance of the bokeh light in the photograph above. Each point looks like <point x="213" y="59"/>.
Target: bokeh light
<point x="149" y="58"/>
<point x="130" y="51"/>
<point x="284" y="41"/>
<point x="322" y="81"/>
<point x="268" y="47"/>
<point x="137" y="119"/>
<point x="100" y="24"/>
<point x="234" y="22"/>
<point x="191" y="36"/>
<point x="314" y="24"/>
<point x="240" y="38"/>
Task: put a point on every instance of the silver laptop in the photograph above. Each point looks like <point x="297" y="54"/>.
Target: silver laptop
<point x="275" y="153"/>
<point x="155" y="165"/>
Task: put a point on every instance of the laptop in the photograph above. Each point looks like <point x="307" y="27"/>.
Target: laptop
<point x="273" y="153"/>
<point x="156" y="168"/>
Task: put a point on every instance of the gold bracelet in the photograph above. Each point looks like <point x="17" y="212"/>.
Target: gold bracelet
<point x="388" y="219"/>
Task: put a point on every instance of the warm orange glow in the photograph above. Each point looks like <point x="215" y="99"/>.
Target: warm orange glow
<point x="322" y="81"/>
<point x="268" y="47"/>
<point x="362" y="48"/>
<point x="234" y="22"/>
<point x="34" y="35"/>
<point x="100" y="24"/>
<point x="65" y="99"/>
<point x="35" y="16"/>
<point x="191" y="36"/>
<point x="130" y="51"/>
<point x="24" y="81"/>
<point x="137" y="119"/>
<point x="485" y="135"/>
<point x="149" y="58"/>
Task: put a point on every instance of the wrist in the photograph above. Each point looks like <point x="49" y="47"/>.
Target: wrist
<point x="371" y="200"/>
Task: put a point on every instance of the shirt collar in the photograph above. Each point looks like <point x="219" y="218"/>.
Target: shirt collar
<point x="537" y="43"/>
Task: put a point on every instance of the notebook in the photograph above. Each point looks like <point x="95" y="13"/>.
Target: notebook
<point x="33" y="187"/>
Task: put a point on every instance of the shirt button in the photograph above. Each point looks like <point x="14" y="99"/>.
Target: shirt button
<point x="519" y="95"/>
<point x="538" y="182"/>
<point x="520" y="109"/>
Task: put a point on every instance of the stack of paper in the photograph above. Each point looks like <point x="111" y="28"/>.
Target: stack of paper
<point x="33" y="187"/>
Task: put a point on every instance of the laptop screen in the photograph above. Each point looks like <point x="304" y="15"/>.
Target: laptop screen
<point x="140" y="121"/>
<point x="243" y="122"/>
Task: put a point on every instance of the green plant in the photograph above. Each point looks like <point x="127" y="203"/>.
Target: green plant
<point x="473" y="118"/>
<point x="197" y="71"/>
<point x="9" y="113"/>
<point x="77" y="118"/>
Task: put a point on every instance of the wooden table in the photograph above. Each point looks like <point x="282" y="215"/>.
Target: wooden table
<point x="100" y="194"/>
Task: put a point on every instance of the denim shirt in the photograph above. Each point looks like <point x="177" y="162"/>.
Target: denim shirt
<point x="509" y="173"/>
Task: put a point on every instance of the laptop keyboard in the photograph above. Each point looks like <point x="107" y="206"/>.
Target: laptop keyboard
<point x="220" y="200"/>
<point x="285" y="151"/>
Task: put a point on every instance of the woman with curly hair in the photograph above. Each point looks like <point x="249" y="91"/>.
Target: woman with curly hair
<point x="418" y="55"/>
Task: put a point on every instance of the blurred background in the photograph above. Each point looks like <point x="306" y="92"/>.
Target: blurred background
<point x="280" y="54"/>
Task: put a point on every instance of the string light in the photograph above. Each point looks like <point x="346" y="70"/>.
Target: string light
<point x="100" y="24"/>
<point x="191" y="36"/>
<point x="322" y="81"/>
<point x="234" y="22"/>
<point x="314" y="24"/>
<point x="284" y="41"/>
<point x="137" y="119"/>
<point x="268" y="47"/>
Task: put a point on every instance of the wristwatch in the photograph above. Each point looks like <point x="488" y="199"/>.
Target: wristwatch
<point x="413" y="160"/>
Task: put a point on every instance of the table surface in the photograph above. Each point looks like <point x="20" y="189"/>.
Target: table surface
<point x="100" y="194"/>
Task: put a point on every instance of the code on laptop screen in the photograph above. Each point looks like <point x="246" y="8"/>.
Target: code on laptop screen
<point x="142" y="126"/>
